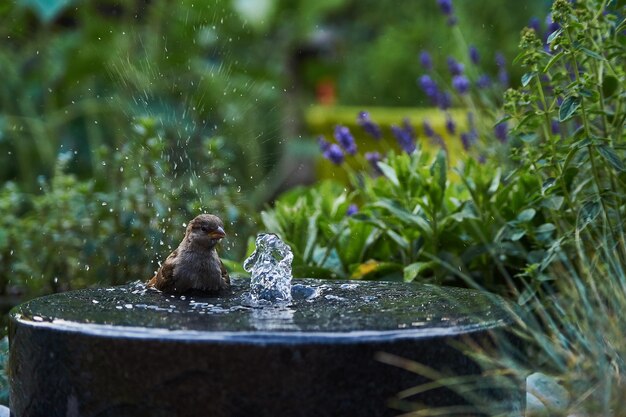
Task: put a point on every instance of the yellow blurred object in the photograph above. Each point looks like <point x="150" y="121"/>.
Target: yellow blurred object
<point x="364" y="269"/>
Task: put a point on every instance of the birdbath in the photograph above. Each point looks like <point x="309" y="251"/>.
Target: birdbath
<point x="134" y="351"/>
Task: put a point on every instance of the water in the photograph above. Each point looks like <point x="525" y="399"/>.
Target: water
<point x="270" y="270"/>
<point x="319" y="310"/>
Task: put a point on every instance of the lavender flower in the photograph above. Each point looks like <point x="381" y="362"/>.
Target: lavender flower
<point x="534" y="24"/>
<point x="473" y="54"/>
<point x="408" y="127"/>
<point x="483" y="81"/>
<point x="444" y="100"/>
<point x="445" y="6"/>
<point x="500" y="60"/>
<point x="323" y="143"/>
<point x="429" y="87"/>
<point x="450" y="125"/>
<point x="455" y="68"/>
<point x="404" y="138"/>
<point x="345" y="139"/>
<point x="352" y="209"/>
<point x="368" y="125"/>
<point x="461" y="84"/>
<point x="466" y="141"/>
<point x="438" y="140"/>
<point x="426" y="60"/>
<point x="551" y="24"/>
<point x="373" y="158"/>
<point x="501" y="131"/>
<point x="503" y="77"/>
<point x="428" y="129"/>
<point x="334" y="154"/>
<point x="555" y="127"/>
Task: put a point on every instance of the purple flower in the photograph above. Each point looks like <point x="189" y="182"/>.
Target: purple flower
<point x="323" y="143"/>
<point x="426" y="60"/>
<point x="534" y="24"/>
<point x="473" y="54"/>
<point x="368" y="125"/>
<point x="503" y="77"/>
<point x="455" y="68"/>
<point x="500" y="60"/>
<point x="444" y="100"/>
<point x="334" y="154"/>
<point x="555" y="127"/>
<point x="501" y="131"/>
<point x="404" y="138"/>
<point x="408" y="127"/>
<point x="551" y="24"/>
<point x="483" y="81"/>
<point x="429" y="87"/>
<point x="461" y="84"/>
<point x="373" y="158"/>
<point x="352" y="209"/>
<point x="428" y="129"/>
<point x="466" y="141"/>
<point x="450" y="125"/>
<point x="438" y="140"/>
<point x="345" y="139"/>
<point x="445" y="6"/>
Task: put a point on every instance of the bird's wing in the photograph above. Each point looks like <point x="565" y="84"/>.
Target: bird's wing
<point x="164" y="278"/>
<point x="225" y="276"/>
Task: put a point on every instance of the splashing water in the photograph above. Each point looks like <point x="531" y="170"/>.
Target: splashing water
<point x="270" y="267"/>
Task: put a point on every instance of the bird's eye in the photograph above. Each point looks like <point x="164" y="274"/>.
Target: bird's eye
<point x="205" y="228"/>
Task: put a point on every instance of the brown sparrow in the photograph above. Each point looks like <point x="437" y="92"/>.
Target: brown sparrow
<point x="194" y="264"/>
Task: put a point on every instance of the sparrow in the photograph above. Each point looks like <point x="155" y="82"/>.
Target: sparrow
<point x="194" y="264"/>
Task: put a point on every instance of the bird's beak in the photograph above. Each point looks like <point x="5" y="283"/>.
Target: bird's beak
<point x="217" y="233"/>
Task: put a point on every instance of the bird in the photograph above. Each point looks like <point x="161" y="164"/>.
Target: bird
<point x="195" y="265"/>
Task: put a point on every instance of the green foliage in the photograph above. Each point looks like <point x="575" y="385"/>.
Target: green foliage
<point x="4" y="381"/>
<point x="114" y="227"/>
<point x="413" y="223"/>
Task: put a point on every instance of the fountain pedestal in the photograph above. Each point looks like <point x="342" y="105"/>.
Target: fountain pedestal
<point x="128" y="351"/>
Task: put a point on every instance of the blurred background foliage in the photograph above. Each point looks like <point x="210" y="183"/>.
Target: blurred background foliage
<point x="121" y="119"/>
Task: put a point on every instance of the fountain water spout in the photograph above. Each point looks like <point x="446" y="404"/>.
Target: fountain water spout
<point x="270" y="269"/>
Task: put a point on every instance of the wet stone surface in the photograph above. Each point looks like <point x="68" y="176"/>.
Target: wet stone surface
<point x="132" y="351"/>
<point x="320" y="308"/>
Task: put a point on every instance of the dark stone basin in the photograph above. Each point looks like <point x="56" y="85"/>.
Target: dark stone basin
<point x="128" y="351"/>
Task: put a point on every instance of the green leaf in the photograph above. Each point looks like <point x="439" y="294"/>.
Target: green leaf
<point x="526" y="215"/>
<point x="554" y="35"/>
<point x="588" y="213"/>
<point x="495" y="182"/>
<point x="528" y="137"/>
<point x="526" y="296"/>
<point x="311" y="240"/>
<point x="609" y="86"/>
<point x="389" y="172"/>
<point x="413" y="270"/>
<point x="517" y="234"/>
<point x="439" y="169"/>
<point x="591" y="53"/>
<point x="552" y="61"/>
<point x="401" y="241"/>
<point x="611" y="157"/>
<point x="554" y="202"/>
<point x="526" y="78"/>
<point x="569" y="107"/>
<point x="548" y="183"/>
